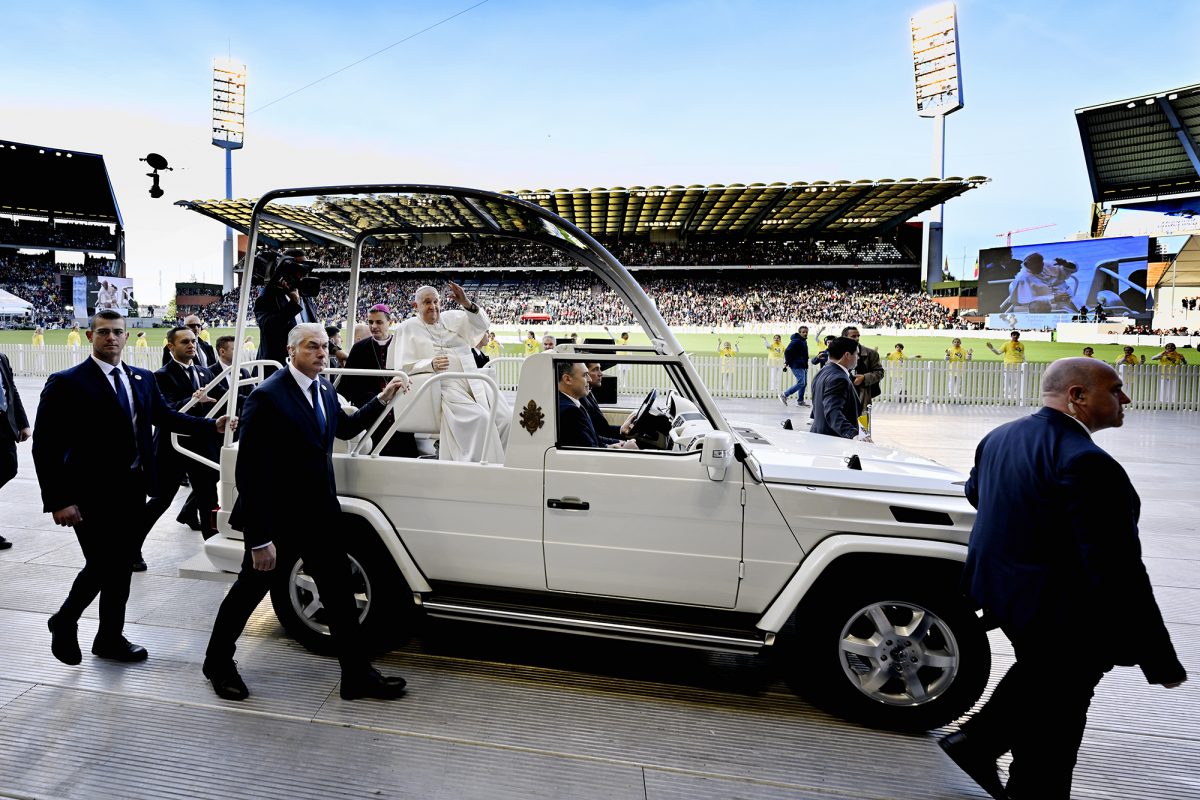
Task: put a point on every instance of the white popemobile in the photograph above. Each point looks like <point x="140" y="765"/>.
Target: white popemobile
<point x="842" y="556"/>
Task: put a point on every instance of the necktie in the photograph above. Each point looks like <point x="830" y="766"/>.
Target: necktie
<point x="317" y="409"/>
<point x="122" y="398"/>
<point x="195" y="375"/>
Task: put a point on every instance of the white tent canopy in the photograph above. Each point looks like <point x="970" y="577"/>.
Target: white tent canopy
<point x="11" y="305"/>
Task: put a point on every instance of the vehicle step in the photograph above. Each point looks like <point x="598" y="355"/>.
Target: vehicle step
<point x="590" y="626"/>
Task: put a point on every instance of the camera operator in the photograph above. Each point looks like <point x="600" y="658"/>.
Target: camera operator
<point x="281" y="306"/>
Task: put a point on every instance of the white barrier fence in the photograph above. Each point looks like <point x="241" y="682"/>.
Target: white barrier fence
<point x="1150" y="386"/>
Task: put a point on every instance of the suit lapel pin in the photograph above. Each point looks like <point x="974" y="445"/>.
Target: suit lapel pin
<point x="137" y="377"/>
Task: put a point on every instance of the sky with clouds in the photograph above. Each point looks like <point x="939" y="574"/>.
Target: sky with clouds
<point x="518" y="94"/>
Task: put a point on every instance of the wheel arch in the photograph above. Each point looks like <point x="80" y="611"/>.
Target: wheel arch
<point x="374" y="517"/>
<point x="840" y="554"/>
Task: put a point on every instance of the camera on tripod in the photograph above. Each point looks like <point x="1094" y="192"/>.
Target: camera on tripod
<point x="287" y="270"/>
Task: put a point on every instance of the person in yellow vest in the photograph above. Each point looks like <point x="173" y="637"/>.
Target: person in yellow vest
<point x="249" y="349"/>
<point x="896" y="370"/>
<point x="492" y="349"/>
<point x="726" y="354"/>
<point x="1125" y="365"/>
<point x="774" y="361"/>
<point x="39" y="337"/>
<point x="204" y="335"/>
<point x="1171" y="361"/>
<point x="74" y="340"/>
<point x="957" y="357"/>
<point x="531" y="345"/>
<point x="140" y="341"/>
<point x="1128" y="359"/>
<point x="1013" y="353"/>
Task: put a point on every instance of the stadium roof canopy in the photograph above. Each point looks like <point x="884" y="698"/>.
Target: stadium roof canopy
<point x="45" y="181"/>
<point x="1143" y="148"/>
<point x="1184" y="269"/>
<point x="840" y="209"/>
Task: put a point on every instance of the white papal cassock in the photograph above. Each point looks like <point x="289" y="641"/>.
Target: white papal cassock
<point x="468" y="433"/>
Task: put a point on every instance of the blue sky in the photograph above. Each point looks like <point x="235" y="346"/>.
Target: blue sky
<point x="559" y="94"/>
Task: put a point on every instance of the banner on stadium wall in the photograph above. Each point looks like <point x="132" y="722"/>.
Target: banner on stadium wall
<point x="79" y="296"/>
<point x="1025" y="321"/>
<point x="1058" y="278"/>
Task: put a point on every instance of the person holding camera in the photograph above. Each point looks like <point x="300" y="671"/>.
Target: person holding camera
<point x="282" y="306"/>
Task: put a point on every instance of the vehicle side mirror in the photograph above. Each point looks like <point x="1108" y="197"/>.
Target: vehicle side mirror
<point x="717" y="454"/>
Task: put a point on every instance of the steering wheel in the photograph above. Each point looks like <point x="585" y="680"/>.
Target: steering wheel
<point x="643" y="409"/>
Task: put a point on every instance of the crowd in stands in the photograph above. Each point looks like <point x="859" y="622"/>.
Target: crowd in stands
<point x="1146" y="330"/>
<point x="704" y="299"/>
<point x="501" y="253"/>
<point x="31" y="281"/>
<point x="42" y="233"/>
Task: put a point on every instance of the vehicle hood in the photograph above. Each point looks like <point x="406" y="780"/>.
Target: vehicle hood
<point x="800" y="457"/>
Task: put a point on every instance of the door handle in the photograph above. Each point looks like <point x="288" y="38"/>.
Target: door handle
<point x="568" y="504"/>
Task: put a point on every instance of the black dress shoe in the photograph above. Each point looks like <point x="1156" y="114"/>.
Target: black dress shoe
<point x="119" y="650"/>
<point x="372" y="684"/>
<point x="191" y="520"/>
<point x="4" y="543"/>
<point x="226" y="681"/>
<point x="980" y="767"/>
<point x="139" y="564"/>
<point x="64" y="643"/>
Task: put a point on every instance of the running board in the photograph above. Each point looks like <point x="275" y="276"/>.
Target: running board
<point x="608" y="630"/>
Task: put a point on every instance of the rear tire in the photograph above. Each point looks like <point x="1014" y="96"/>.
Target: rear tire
<point x="383" y="597"/>
<point x="891" y="657"/>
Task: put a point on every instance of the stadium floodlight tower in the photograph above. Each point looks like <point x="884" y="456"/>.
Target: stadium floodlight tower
<point x="938" y="74"/>
<point x="228" y="133"/>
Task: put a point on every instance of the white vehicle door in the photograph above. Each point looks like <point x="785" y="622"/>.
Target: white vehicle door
<point x="645" y="525"/>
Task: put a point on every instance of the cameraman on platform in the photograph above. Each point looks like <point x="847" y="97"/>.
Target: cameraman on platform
<point x="286" y="300"/>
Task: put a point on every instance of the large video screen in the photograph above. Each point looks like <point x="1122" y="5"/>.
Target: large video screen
<point x="89" y="294"/>
<point x="1062" y="278"/>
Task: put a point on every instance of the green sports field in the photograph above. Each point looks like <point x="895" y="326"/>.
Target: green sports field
<point x="749" y="344"/>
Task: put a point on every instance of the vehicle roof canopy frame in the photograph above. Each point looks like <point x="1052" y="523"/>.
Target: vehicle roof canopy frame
<point x="551" y="231"/>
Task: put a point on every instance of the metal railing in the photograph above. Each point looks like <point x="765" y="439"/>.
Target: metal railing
<point x="1151" y="386"/>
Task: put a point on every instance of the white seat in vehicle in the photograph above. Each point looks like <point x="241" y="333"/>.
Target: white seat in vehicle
<point x="421" y="415"/>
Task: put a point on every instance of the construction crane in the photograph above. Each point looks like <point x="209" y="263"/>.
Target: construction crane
<point x="1007" y="235"/>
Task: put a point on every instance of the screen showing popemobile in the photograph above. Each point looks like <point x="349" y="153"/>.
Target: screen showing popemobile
<point x="1038" y="285"/>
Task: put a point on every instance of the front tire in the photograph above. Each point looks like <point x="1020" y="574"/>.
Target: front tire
<point x="891" y="658"/>
<point x="380" y="592"/>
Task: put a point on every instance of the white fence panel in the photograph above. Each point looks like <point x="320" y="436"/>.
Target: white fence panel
<point x="1150" y="386"/>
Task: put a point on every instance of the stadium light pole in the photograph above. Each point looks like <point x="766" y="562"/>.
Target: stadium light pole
<point x="228" y="133"/>
<point x="938" y="75"/>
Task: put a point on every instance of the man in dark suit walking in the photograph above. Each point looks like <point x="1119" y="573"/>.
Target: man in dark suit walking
<point x="14" y="428"/>
<point x="1052" y="565"/>
<point x="179" y="381"/>
<point x="94" y="469"/>
<point x="206" y="355"/>
<point x="834" y="398"/>
<point x="287" y="500"/>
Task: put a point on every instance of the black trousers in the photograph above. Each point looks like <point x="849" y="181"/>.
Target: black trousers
<point x="172" y="467"/>
<point x="109" y="535"/>
<point x="8" y="455"/>
<point x="1038" y="712"/>
<point x="328" y="566"/>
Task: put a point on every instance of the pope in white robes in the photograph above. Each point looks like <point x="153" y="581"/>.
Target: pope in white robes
<point x="439" y="341"/>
